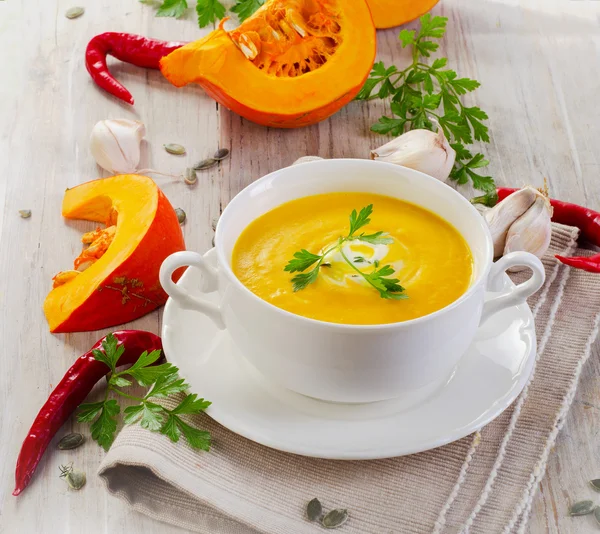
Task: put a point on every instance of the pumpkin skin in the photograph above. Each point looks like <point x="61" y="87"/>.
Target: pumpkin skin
<point x="123" y="284"/>
<point x="390" y="13"/>
<point x="293" y="79"/>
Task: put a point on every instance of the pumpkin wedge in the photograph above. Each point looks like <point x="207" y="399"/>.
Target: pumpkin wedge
<point x="292" y="63"/>
<point x="115" y="279"/>
<point x="390" y="13"/>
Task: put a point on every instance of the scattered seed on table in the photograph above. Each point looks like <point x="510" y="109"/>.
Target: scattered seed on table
<point x="173" y="148"/>
<point x="205" y="164"/>
<point x="74" y="12"/>
<point x="180" y="215"/>
<point x="221" y="154"/>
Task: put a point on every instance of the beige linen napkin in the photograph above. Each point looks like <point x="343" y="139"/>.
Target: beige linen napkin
<point x="484" y="482"/>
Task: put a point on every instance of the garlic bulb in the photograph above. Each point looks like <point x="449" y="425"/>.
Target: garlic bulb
<point x="422" y="150"/>
<point x="115" y="144"/>
<point x="532" y="230"/>
<point x="500" y="218"/>
<point x="522" y="221"/>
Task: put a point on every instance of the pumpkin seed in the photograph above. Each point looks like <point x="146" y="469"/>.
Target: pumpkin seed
<point x="189" y="176"/>
<point x="205" y="164"/>
<point x="176" y="149"/>
<point x="336" y="518"/>
<point x="71" y="441"/>
<point x="597" y="514"/>
<point x="221" y="154"/>
<point x="581" y="508"/>
<point x="595" y="484"/>
<point x="76" y="479"/>
<point x="25" y="214"/>
<point x="314" y="509"/>
<point x="180" y="215"/>
<point x="74" y="12"/>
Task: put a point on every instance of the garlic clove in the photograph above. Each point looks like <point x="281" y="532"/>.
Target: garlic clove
<point x="533" y="230"/>
<point x="500" y="218"/>
<point x="115" y="144"/>
<point x="421" y="150"/>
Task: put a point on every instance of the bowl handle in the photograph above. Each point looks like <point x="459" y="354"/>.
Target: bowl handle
<point x="184" y="299"/>
<point x="514" y="294"/>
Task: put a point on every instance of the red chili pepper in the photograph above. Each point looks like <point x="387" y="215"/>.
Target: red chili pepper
<point x="587" y="220"/>
<point x="134" y="49"/>
<point x="69" y="394"/>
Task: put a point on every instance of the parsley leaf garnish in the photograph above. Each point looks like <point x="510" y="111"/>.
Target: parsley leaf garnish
<point x="104" y="427"/>
<point x="426" y="95"/>
<point x="172" y="8"/>
<point x="162" y="380"/>
<point x="209" y="11"/>
<point x="245" y="8"/>
<point x="388" y="288"/>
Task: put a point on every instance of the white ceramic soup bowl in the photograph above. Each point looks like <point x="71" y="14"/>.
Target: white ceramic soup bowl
<point x="351" y="363"/>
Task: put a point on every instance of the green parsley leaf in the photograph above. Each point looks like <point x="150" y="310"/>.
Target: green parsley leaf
<point x="245" y="8"/>
<point x="378" y="238"/>
<point x="119" y="381"/>
<point x="198" y="439"/>
<point x="172" y="8"/>
<point x="145" y="360"/>
<point x="439" y="63"/>
<point x="303" y="259"/>
<point x="170" y="428"/>
<point x="432" y="26"/>
<point x="209" y="11"/>
<point x="426" y="47"/>
<point x="300" y="281"/>
<point x="367" y="89"/>
<point x="407" y="37"/>
<point x="463" y="85"/>
<point x="146" y="376"/>
<point x="167" y="385"/>
<point x="89" y="411"/>
<point x="103" y="429"/>
<point x="191" y="404"/>
<point x="152" y="416"/>
<point x="489" y="199"/>
<point x="111" y="353"/>
<point x="357" y="221"/>
<point x="461" y="152"/>
<point x="388" y="125"/>
<point x="174" y="427"/>
<point x="132" y="414"/>
<point x="483" y="183"/>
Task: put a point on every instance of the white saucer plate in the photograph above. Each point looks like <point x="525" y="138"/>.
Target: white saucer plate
<point x="487" y="379"/>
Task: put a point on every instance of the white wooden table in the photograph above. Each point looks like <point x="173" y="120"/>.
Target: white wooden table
<point x="538" y="62"/>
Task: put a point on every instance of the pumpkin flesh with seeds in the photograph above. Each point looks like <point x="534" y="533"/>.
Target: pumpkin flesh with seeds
<point x="292" y="63"/>
<point x="117" y="281"/>
<point x="390" y="13"/>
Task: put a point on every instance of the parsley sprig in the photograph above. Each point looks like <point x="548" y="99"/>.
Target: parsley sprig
<point x="388" y="288"/>
<point x="208" y="11"/>
<point x="162" y="380"/>
<point x="424" y="94"/>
